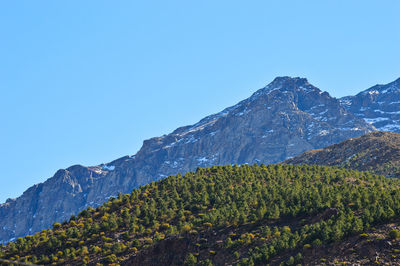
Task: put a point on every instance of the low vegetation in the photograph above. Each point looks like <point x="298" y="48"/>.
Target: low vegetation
<point x="247" y="215"/>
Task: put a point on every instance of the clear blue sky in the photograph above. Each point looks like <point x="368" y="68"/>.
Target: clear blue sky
<point x="87" y="81"/>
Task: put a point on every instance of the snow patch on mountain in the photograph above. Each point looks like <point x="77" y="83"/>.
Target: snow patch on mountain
<point x="108" y="167"/>
<point x="375" y="120"/>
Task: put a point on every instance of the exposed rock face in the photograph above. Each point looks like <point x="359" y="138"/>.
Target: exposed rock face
<point x="378" y="152"/>
<point x="282" y="120"/>
<point x="378" y="105"/>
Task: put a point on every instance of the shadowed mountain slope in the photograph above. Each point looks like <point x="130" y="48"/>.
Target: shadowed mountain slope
<point x="378" y="152"/>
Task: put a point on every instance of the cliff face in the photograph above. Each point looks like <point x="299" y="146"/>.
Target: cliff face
<point x="282" y="120"/>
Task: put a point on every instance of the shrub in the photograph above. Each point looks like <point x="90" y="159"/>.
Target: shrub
<point x="290" y="261"/>
<point x="394" y="234"/>
<point x="190" y="260"/>
<point x="86" y="259"/>
<point x="111" y="258"/>
<point x="56" y="226"/>
<point x="236" y="254"/>
<point x="299" y="257"/>
<point x="208" y="225"/>
<point x="186" y="228"/>
<point x="207" y="262"/>
<point x="317" y="242"/>
<point x="148" y="240"/>
<point x="193" y="232"/>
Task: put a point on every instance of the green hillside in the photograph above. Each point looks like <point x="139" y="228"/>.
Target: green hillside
<point x="220" y="215"/>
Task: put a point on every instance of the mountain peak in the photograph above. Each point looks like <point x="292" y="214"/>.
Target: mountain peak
<point x="286" y="82"/>
<point x="283" y="79"/>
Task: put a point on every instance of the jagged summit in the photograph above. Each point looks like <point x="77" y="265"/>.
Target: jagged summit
<point x="280" y="81"/>
<point x="282" y="84"/>
<point x="286" y="83"/>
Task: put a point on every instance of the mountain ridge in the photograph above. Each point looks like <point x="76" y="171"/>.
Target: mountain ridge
<point x="281" y="120"/>
<point x="378" y="106"/>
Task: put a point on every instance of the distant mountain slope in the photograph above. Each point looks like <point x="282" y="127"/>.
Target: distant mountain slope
<point x="230" y="215"/>
<point x="282" y="120"/>
<point x="378" y="105"/>
<point x="378" y="152"/>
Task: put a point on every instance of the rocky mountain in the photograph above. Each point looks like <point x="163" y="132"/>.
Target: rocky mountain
<point x="283" y="119"/>
<point x="378" y="105"/>
<point x="377" y="152"/>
